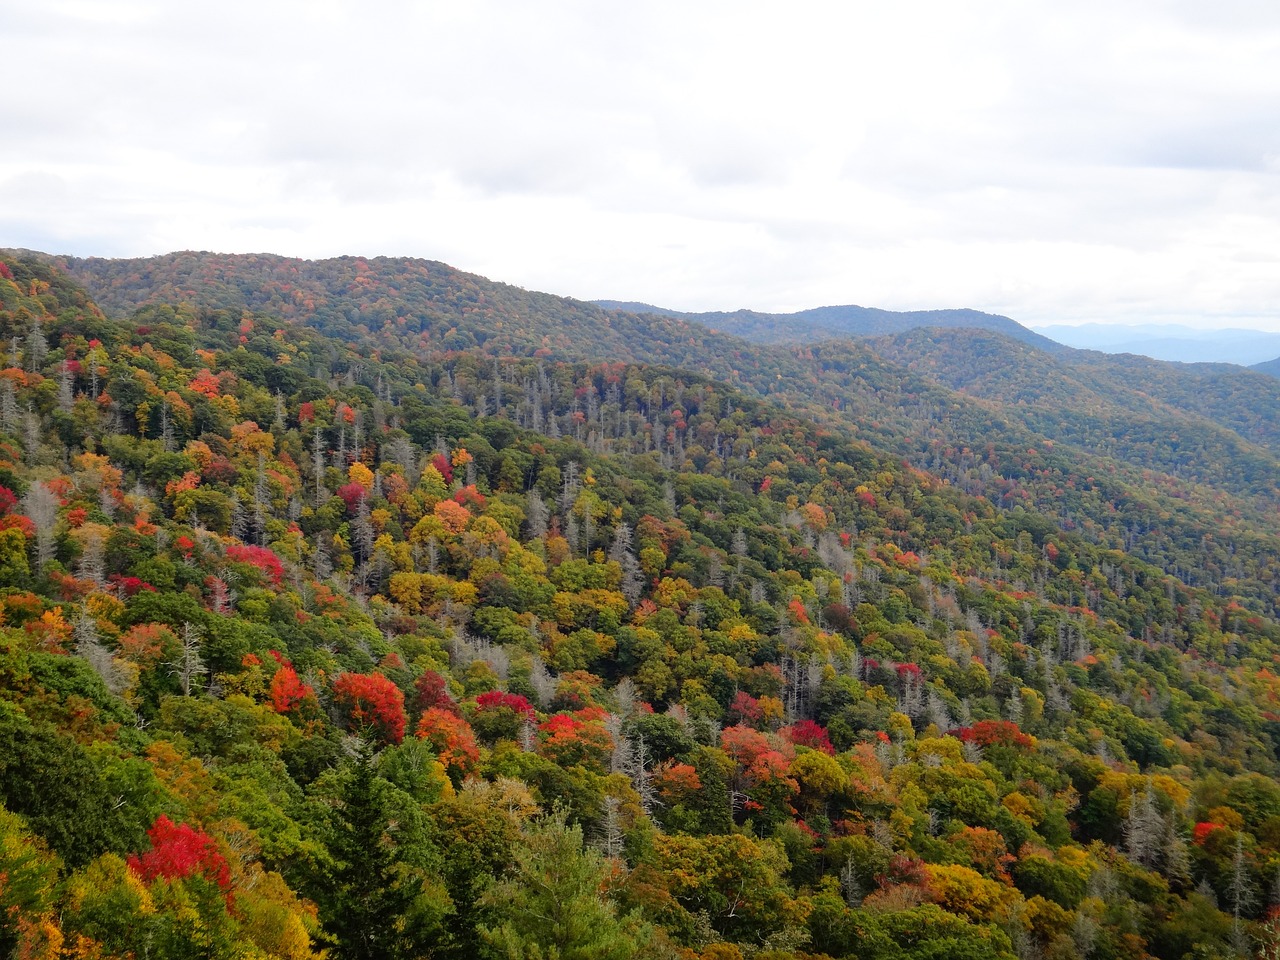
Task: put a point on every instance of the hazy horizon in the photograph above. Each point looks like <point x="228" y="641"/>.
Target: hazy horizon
<point x="1100" y="163"/>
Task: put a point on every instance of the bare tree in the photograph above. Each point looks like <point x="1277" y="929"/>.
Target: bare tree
<point x="851" y="885"/>
<point x="239" y="519"/>
<point x="37" y="346"/>
<point x="31" y="445"/>
<point x="321" y="565"/>
<point x="621" y="553"/>
<point x="41" y="505"/>
<point x="66" y="393"/>
<point x="1240" y="890"/>
<point x="93" y="550"/>
<point x="189" y="667"/>
<point x="528" y="735"/>
<point x="98" y="656"/>
<point x="569" y="486"/>
<point x="317" y="465"/>
<point x="1144" y="828"/>
<point x="615" y="726"/>
<point x="1177" y="861"/>
<point x="8" y="404"/>
<point x="362" y="533"/>
<point x="642" y="776"/>
<point x="222" y="596"/>
<point x="611" y="829"/>
<point x="542" y="682"/>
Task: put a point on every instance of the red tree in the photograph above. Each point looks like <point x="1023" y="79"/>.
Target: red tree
<point x="497" y="699"/>
<point x="287" y="690"/>
<point x="352" y="494"/>
<point x="987" y="733"/>
<point x="432" y="692"/>
<point x="372" y="703"/>
<point x="179" y="851"/>
<point x="576" y="738"/>
<point x="745" y="709"/>
<point x="259" y="557"/>
<point x="806" y="733"/>
<point x="452" y="740"/>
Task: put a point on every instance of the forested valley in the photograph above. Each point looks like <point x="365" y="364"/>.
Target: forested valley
<point x="364" y="608"/>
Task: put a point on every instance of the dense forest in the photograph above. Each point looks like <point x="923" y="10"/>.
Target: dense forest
<point x="1173" y="463"/>
<point x="368" y="609"/>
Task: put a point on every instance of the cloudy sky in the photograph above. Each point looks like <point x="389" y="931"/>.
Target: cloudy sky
<point x="1055" y="162"/>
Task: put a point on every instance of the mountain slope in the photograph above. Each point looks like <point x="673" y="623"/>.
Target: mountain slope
<point x="304" y="639"/>
<point x="1198" y="510"/>
<point x="419" y="301"/>
<point x="1093" y="398"/>
<point x="1271" y="368"/>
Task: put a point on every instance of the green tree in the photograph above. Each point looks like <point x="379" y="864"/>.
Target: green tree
<point x="366" y="895"/>
<point x="552" y="905"/>
<point x="62" y="790"/>
<point x="14" y="568"/>
<point x="736" y="880"/>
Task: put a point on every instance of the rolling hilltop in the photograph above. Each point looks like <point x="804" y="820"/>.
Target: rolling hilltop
<point x="421" y="301"/>
<point x="822" y="323"/>
<point x="370" y="608"/>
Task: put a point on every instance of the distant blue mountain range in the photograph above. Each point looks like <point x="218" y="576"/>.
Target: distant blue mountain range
<point x="1171" y="342"/>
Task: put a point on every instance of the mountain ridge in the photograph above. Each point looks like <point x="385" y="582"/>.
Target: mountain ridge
<point x="818" y="323"/>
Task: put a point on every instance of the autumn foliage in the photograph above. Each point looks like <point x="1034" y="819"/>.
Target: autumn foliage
<point x="371" y="704"/>
<point x="807" y="733"/>
<point x="259" y="557"/>
<point x="431" y="691"/>
<point x="287" y="691"/>
<point x="873" y="712"/>
<point x="179" y="851"/>
<point x="498" y="700"/>
<point x="576" y="738"/>
<point x="986" y="733"/>
<point x="451" y="738"/>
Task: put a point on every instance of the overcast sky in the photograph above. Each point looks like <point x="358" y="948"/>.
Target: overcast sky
<point x="1055" y="162"/>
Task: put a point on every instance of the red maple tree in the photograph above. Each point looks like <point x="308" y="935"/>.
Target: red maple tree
<point x="372" y="703"/>
<point x="178" y="851"/>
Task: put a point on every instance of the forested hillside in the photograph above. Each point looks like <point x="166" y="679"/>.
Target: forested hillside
<point x="435" y="639"/>
<point x="422" y="304"/>
<point x="1154" y="479"/>
<point x="1231" y="399"/>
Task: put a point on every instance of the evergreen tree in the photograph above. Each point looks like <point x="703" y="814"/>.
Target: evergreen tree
<point x="364" y="899"/>
<point x="552" y="906"/>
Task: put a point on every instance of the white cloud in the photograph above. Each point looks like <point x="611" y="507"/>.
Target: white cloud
<point x="1099" y="160"/>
